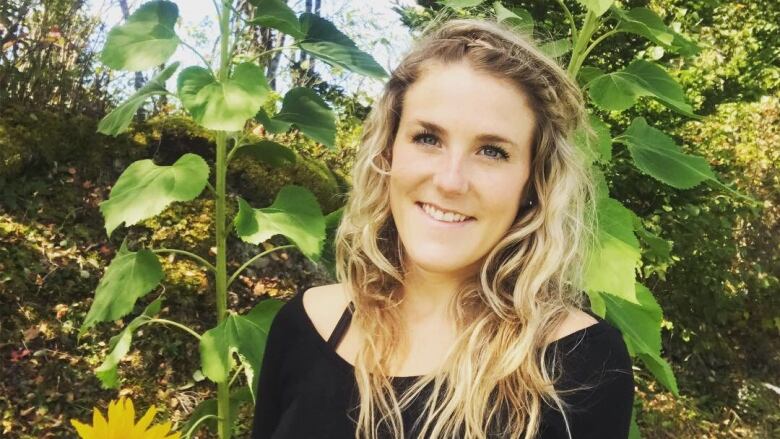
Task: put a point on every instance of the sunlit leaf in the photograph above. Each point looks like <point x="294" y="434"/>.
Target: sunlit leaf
<point x="244" y="335"/>
<point x="598" y="148"/>
<point x="644" y="22"/>
<point x="277" y="15"/>
<point x="129" y="276"/>
<point x="294" y="213"/>
<point x="327" y="43"/>
<point x="612" y="263"/>
<point x="598" y="7"/>
<point x="146" y="40"/>
<point x="306" y="110"/>
<point x="519" y="18"/>
<point x="656" y="154"/>
<point x="119" y="119"/>
<point x="224" y="105"/>
<point x="556" y="48"/>
<point x="460" y="4"/>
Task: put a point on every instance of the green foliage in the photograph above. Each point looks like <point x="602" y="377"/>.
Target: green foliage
<point x="118" y="120"/>
<point x="146" y="40"/>
<point x="129" y="276"/>
<point x="244" y="335"/>
<point x="223" y="105"/>
<point x="144" y="189"/>
<point x="294" y="214"/>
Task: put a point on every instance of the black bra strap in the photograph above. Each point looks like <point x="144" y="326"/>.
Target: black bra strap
<point x="341" y="326"/>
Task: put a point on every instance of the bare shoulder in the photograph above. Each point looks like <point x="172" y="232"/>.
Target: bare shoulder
<point x="576" y="320"/>
<point x="324" y="305"/>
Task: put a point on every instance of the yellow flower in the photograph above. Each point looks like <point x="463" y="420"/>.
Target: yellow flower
<point x="121" y="424"/>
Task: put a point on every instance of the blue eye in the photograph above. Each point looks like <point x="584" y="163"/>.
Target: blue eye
<point x="499" y="152"/>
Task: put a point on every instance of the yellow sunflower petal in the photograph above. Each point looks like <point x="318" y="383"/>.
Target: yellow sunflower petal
<point x="159" y="431"/>
<point x="99" y="424"/>
<point x="84" y="430"/>
<point x="146" y="420"/>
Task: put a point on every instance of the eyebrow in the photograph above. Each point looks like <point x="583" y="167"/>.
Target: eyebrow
<point x="485" y="137"/>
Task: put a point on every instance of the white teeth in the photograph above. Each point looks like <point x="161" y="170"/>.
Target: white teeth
<point x="443" y="216"/>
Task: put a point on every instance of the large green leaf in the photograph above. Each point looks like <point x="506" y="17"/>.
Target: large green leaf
<point x="519" y="18"/>
<point x="119" y="119"/>
<point x="644" y="22"/>
<point x="656" y="154"/>
<point x="598" y="7"/>
<point x="306" y="110"/>
<point x="244" y="335"/>
<point x="146" y="40"/>
<point x="620" y="90"/>
<point x="223" y="105"/>
<point x="208" y="407"/>
<point x="640" y="324"/>
<point x="277" y="15"/>
<point x="145" y="189"/>
<point x="294" y="213"/>
<point x="120" y="346"/>
<point x="611" y="265"/>
<point x="129" y="276"/>
<point x="268" y="152"/>
<point x="327" y="43"/>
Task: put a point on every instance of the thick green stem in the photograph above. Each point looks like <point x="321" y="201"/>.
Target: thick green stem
<point x="224" y="429"/>
<point x="589" y="26"/>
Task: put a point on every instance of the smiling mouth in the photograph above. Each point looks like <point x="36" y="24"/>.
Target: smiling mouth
<point x="422" y="208"/>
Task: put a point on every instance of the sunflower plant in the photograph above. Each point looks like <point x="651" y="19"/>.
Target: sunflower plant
<point x="120" y="424"/>
<point x="226" y="96"/>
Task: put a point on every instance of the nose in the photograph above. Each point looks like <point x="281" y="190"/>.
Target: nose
<point x="450" y="175"/>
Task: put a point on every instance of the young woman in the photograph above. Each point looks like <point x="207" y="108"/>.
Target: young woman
<point x="460" y="256"/>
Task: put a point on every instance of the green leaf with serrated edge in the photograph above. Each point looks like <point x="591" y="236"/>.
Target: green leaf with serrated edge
<point x="294" y="213"/>
<point x="598" y="7"/>
<point x="119" y="119"/>
<point x="556" y="48"/>
<point x="244" y="335"/>
<point x="277" y="15"/>
<point x="620" y="90"/>
<point x="327" y="43"/>
<point x="656" y="154"/>
<point x="268" y="152"/>
<point x="208" y="407"/>
<point x="519" y="18"/>
<point x="640" y="324"/>
<point x="129" y="276"/>
<point x="146" y="40"/>
<point x="119" y="345"/>
<point x="662" y="371"/>
<point x="460" y="4"/>
<point x="598" y="148"/>
<point x="270" y="124"/>
<point x="227" y="105"/>
<point x="644" y="22"/>
<point x="145" y="189"/>
<point x="611" y="265"/>
<point x="306" y="110"/>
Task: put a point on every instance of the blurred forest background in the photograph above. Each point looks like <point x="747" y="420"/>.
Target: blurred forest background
<point x="717" y="284"/>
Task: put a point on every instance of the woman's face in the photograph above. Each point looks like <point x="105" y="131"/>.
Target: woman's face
<point x="463" y="150"/>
